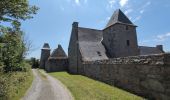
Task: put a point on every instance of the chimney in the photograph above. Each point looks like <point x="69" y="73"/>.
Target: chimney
<point x="59" y="46"/>
<point x="75" y="29"/>
<point x="160" y="47"/>
<point x="75" y="24"/>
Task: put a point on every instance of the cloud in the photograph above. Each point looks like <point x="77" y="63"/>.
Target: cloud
<point x="77" y="2"/>
<point x="142" y="11"/>
<point x="123" y="2"/>
<point x="146" y="4"/>
<point x="105" y="20"/>
<point x="163" y="37"/>
<point x="112" y="3"/>
<point x="85" y="1"/>
<point x="158" y="38"/>
<point x="137" y="18"/>
<point x="144" y="7"/>
<point x="128" y="11"/>
<point x="62" y="8"/>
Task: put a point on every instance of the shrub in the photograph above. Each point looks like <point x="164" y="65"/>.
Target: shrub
<point x="13" y="85"/>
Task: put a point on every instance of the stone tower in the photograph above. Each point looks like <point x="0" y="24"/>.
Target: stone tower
<point x="45" y="53"/>
<point x="119" y="36"/>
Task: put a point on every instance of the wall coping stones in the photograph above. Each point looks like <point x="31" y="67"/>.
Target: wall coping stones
<point x="156" y="59"/>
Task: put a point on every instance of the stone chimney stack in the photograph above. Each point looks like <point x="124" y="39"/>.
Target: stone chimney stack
<point x="160" y="47"/>
<point x="45" y="53"/>
<point x="75" y="26"/>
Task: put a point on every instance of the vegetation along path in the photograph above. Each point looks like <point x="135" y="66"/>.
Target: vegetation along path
<point x="45" y="87"/>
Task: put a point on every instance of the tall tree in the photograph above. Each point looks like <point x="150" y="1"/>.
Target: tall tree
<point x="12" y="45"/>
<point x="14" y="11"/>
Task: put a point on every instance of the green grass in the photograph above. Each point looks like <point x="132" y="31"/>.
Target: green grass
<point x="14" y="85"/>
<point x="83" y="88"/>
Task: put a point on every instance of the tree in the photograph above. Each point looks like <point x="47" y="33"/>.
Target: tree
<point x="12" y="50"/>
<point x="12" y="44"/>
<point x="34" y="62"/>
<point x="14" y="11"/>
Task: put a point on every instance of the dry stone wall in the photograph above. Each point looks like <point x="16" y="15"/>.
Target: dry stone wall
<point x="147" y="76"/>
<point x="55" y="65"/>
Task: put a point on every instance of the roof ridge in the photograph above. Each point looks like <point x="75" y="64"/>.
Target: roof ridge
<point x="89" y="28"/>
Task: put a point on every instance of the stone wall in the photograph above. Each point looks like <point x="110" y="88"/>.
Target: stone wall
<point x="147" y="76"/>
<point x="55" y="65"/>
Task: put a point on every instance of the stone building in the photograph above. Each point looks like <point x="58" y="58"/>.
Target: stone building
<point x="117" y="39"/>
<point x="56" y="61"/>
<point x="113" y="56"/>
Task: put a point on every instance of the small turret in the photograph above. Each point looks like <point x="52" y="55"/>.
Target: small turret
<point x="45" y="53"/>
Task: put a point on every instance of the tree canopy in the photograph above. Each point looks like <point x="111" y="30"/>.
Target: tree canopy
<point x="14" y="11"/>
<point x="12" y="44"/>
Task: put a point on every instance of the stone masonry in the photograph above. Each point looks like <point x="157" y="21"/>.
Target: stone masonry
<point x="45" y="53"/>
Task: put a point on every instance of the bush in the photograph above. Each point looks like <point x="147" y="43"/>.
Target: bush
<point x="13" y="85"/>
<point x="12" y="50"/>
<point x="34" y="63"/>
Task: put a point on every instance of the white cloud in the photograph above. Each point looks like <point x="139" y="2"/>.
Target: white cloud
<point x="144" y="7"/>
<point x="137" y="18"/>
<point x="112" y="3"/>
<point x="105" y="20"/>
<point x="85" y="1"/>
<point x="146" y="4"/>
<point x="128" y="11"/>
<point x="123" y="2"/>
<point x="142" y="11"/>
<point x="159" y="39"/>
<point x="162" y="37"/>
<point x="108" y="18"/>
<point x="62" y="8"/>
<point x="77" y="2"/>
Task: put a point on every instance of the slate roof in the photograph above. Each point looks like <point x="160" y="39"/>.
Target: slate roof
<point x="90" y="45"/>
<point x="58" y="53"/>
<point x="119" y="17"/>
<point x="46" y="46"/>
<point x="144" y="50"/>
<point x="89" y="35"/>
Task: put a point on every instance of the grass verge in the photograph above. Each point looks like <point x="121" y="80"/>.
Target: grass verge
<point x="14" y="85"/>
<point x="83" y="88"/>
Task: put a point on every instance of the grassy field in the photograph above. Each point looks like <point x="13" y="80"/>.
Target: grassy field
<point x="14" y="85"/>
<point x="83" y="88"/>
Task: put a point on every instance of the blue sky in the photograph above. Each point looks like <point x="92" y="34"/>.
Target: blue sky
<point x="54" y="20"/>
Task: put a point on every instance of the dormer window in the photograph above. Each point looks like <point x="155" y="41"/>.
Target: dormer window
<point x="98" y="52"/>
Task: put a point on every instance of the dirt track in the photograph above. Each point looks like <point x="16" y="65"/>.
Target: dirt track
<point x="45" y="87"/>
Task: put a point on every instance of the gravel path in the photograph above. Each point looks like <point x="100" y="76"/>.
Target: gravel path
<point x="45" y="87"/>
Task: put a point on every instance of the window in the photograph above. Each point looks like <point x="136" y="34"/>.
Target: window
<point x="128" y="43"/>
<point x="98" y="52"/>
<point x="127" y="28"/>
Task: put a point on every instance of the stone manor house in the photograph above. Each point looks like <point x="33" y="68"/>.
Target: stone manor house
<point x="117" y="39"/>
<point x="112" y="55"/>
